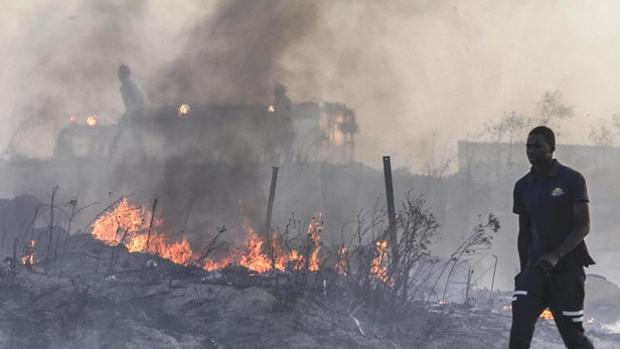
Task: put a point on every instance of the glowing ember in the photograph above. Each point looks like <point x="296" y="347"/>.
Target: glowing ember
<point x="28" y="254"/>
<point x="342" y="264"/>
<point x="377" y="268"/>
<point x="546" y="314"/>
<point x="91" y="120"/>
<point x="210" y="265"/>
<point x="271" y="108"/>
<point x="184" y="110"/>
<point x="73" y="119"/>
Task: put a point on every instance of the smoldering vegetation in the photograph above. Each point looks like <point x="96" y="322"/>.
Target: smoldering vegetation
<point x="77" y="291"/>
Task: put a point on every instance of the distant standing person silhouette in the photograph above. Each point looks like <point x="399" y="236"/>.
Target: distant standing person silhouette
<point x="134" y="107"/>
<point x="132" y="97"/>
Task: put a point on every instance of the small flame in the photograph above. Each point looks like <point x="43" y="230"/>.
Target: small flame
<point x="28" y="254"/>
<point x="210" y="265"/>
<point x="259" y="257"/>
<point x="271" y="108"/>
<point x="184" y="110"/>
<point x="377" y="268"/>
<point x="254" y="258"/>
<point x="91" y="120"/>
<point x="342" y="264"/>
<point x="315" y="227"/>
<point x="546" y="314"/>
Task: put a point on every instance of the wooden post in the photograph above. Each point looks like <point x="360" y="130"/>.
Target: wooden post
<point x="389" y="194"/>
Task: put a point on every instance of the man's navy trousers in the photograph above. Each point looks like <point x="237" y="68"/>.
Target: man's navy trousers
<point x="562" y="292"/>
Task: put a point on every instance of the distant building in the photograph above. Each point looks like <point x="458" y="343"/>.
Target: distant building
<point x="493" y="163"/>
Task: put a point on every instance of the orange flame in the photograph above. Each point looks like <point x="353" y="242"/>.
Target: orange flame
<point x="254" y="258"/>
<point x="315" y="228"/>
<point x="277" y="257"/>
<point x="129" y="225"/>
<point x="546" y="314"/>
<point x="210" y="265"/>
<point x="377" y="267"/>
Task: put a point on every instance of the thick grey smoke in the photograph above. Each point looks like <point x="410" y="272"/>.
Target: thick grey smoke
<point x="230" y="56"/>
<point x="416" y="66"/>
<point x="235" y="55"/>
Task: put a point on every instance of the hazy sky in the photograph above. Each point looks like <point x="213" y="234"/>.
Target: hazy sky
<point x="419" y="74"/>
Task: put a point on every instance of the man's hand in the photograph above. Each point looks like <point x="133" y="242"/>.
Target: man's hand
<point x="547" y="262"/>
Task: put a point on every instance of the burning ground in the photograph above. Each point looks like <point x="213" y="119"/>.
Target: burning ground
<point x="138" y="230"/>
<point x="126" y="283"/>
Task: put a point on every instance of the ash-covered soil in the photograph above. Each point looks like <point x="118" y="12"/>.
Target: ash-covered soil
<point x="105" y="297"/>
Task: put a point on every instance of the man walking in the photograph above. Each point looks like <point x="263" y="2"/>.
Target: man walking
<point x="552" y="204"/>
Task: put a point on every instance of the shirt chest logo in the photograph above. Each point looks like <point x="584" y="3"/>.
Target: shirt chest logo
<point x="557" y="192"/>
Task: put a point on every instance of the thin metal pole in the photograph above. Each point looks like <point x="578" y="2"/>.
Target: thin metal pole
<point x="470" y="271"/>
<point x="49" y="243"/>
<point x="267" y="231"/>
<point x="389" y="194"/>
<point x="148" y="234"/>
<point x="272" y="194"/>
<point x="493" y="279"/>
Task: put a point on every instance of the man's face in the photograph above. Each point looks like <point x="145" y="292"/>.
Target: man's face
<point x="538" y="150"/>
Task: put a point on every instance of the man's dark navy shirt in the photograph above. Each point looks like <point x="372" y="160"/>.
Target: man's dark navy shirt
<point x="548" y="202"/>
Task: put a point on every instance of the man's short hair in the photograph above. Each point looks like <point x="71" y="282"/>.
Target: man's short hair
<point x="547" y="134"/>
